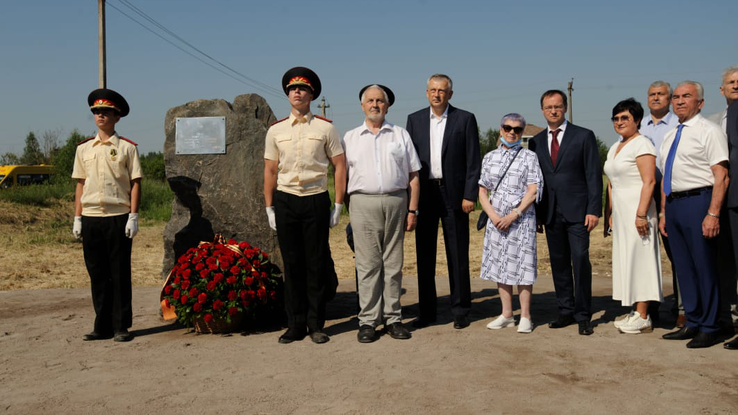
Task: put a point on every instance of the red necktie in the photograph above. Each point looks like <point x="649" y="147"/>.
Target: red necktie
<point x="554" y="146"/>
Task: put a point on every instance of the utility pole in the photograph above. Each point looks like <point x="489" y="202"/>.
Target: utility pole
<point x="571" y="104"/>
<point x="102" y="71"/>
<point x="323" y="106"/>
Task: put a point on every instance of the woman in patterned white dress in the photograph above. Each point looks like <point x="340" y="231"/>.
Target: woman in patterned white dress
<point x="509" y="256"/>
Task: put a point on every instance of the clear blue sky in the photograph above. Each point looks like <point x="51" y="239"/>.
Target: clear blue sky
<point x="500" y="55"/>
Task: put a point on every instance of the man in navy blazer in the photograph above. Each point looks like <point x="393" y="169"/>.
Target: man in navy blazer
<point x="570" y="207"/>
<point x="732" y="194"/>
<point x="447" y="142"/>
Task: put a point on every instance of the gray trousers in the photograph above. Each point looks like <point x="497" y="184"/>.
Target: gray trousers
<point x="378" y="223"/>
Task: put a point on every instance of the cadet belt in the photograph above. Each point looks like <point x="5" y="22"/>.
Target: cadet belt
<point x="688" y="193"/>
<point x="436" y="182"/>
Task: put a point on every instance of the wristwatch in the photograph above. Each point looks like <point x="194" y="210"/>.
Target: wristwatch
<point x="414" y="212"/>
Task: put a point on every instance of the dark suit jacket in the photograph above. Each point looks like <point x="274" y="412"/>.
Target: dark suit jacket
<point x="732" y="130"/>
<point x="575" y="184"/>
<point x="460" y="158"/>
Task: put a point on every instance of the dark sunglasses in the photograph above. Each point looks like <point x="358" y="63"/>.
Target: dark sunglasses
<point x="517" y="130"/>
<point x="624" y="118"/>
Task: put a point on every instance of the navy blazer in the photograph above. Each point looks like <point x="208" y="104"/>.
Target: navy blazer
<point x="732" y="130"/>
<point x="460" y="158"/>
<point x="575" y="184"/>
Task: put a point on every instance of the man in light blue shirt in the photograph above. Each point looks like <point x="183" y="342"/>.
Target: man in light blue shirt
<point x="655" y="125"/>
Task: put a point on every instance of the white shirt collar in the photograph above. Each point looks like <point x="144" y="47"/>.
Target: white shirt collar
<point x="444" y="115"/>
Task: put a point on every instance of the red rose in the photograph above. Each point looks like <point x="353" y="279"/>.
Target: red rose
<point x="232" y="241"/>
<point x="242" y="262"/>
<point x="185" y="285"/>
<point x="242" y="294"/>
<point x="231" y="280"/>
<point x="213" y="267"/>
<point x="250" y="294"/>
<point x="202" y="298"/>
<point x="184" y="299"/>
<point x="243" y="245"/>
<point x="199" y="266"/>
<point x="197" y="307"/>
<point x="273" y="295"/>
<point x="248" y="281"/>
<point x="217" y="305"/>
<point x="256" y="263"/>
<point x="193" y="292"/>
<point x="166" y="302"/>
<point x="176" y="295"/>
<point x="186" y="274"/>
<point x="261" y="293"/>
<point x="245" y="303"/>
<point x="208" y="318"/>
<point x="204" y="273"/>
<point x="167" y="289"/>
<point x="177" y="280"/>
<point x="232" y="311"/>
<point x="218" y="277"/>
<point x="263" y="275"/>
<point x="264" y="256"/>
<point x="232" y="295"/>
<point x="210" y="286"/>
<point x="210" y="261"/>
<point x="235" y="270"/>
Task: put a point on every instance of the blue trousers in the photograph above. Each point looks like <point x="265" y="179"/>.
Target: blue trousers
<point x="695" y="258"/>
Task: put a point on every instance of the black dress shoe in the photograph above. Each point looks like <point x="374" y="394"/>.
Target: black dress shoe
<point x="460" y="322"/>
<point x="585" y="328"/>
<point x="684" y="333"/>
<point x="123" y="336"/>
<point x="561" y="322"/>
<point x="97" y="336"/>
<point x="702" y="340"/>
<point x="421" y="322"/>
<point x="292" y="335"/>
<point x="732" y="345"/>
<point x="366" y="334"/>
<point x="398" y="331"/>
<point x="318" y="336"/>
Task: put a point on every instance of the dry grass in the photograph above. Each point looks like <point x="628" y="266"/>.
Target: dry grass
<point x="39" y="251"/>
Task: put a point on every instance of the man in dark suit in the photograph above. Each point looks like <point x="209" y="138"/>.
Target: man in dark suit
<point x="570" y="207"/>
<point x="732" y="196"/>
<point x="447" y="142"/>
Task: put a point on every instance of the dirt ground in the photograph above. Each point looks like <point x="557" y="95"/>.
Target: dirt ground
<point x="45" y="308"/>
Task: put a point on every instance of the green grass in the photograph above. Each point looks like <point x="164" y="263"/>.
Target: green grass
<point x="156" y="200"/>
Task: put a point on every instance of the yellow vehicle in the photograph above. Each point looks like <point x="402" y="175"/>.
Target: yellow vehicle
<point x="23" y="175"/>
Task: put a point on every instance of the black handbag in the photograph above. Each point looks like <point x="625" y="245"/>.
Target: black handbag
<point x="482" y="221"/>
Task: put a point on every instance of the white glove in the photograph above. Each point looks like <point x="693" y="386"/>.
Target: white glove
<point x="132" y="225"/>
<point x="77" y="227"/>
<point x="335" y="215"/>
<point x="271" y="217"/>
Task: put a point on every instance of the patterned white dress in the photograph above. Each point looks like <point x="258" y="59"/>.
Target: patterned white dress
<point x="510" y="257"/>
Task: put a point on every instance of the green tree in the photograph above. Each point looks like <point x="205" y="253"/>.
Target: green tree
<point x="602" y="149"/>
<point x="32" y="153"/>
<point x="152" y="165"/>
<point x="488" y="141"/>
<point x="63" y="160"/>
<point x="9" y="159"/>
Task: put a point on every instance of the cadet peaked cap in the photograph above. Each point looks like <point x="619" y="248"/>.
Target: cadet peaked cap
<point x="107" y="98"/>
<point x="301" y="76"/>
<point x="390" y="94"/>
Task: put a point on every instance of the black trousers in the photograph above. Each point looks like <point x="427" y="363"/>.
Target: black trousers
<point x="568" y="246"/>
<point x="455" y="224"/>
<point x="107" y="253"/>
<point x="302" y="231"/>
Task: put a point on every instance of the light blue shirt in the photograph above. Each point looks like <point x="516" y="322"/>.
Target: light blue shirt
<point x="656" y="131"/>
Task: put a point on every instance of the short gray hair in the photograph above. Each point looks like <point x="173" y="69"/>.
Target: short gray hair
<point x="439" y="76"/>
<point x="375" y="86"/>
<point x="658" y="84"/>
<point x="513" y="116"/>
<point x="697" y="85"/>
<point x="730" y="70"/>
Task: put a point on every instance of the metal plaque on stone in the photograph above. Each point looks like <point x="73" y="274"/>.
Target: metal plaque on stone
<point x="200" y="135"/>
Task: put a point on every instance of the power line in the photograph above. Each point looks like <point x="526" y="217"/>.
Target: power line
<point x="248" y="81"/>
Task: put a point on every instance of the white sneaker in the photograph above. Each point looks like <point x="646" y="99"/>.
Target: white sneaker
<point x="525" y="325"/>
<point x="619" y="321"/>
<point x="637" y="325"/>
<point x="501" y="322"/>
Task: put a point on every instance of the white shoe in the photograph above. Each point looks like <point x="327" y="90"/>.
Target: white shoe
<point x="501" y="322"/>
<point x="525" y="325"/>
<point x="619" y="321"/>
<point x="637" y="325"/>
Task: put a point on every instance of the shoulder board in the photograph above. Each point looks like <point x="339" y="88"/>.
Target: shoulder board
<point x="85" y="140"/>
<point x="324" y="119"/>
<point x="132" y="142"/>
<point x="278" y="121"/>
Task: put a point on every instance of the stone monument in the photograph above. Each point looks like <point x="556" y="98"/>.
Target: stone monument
<point x="219" y="193"/>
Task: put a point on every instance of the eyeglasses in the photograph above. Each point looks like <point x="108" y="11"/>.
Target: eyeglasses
<point x="624" y="118"/>
<point x="554" y="107"/>
<point x="507" y="129"/>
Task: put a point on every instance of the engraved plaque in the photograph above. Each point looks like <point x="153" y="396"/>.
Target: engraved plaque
<point x="200" y="135"/>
